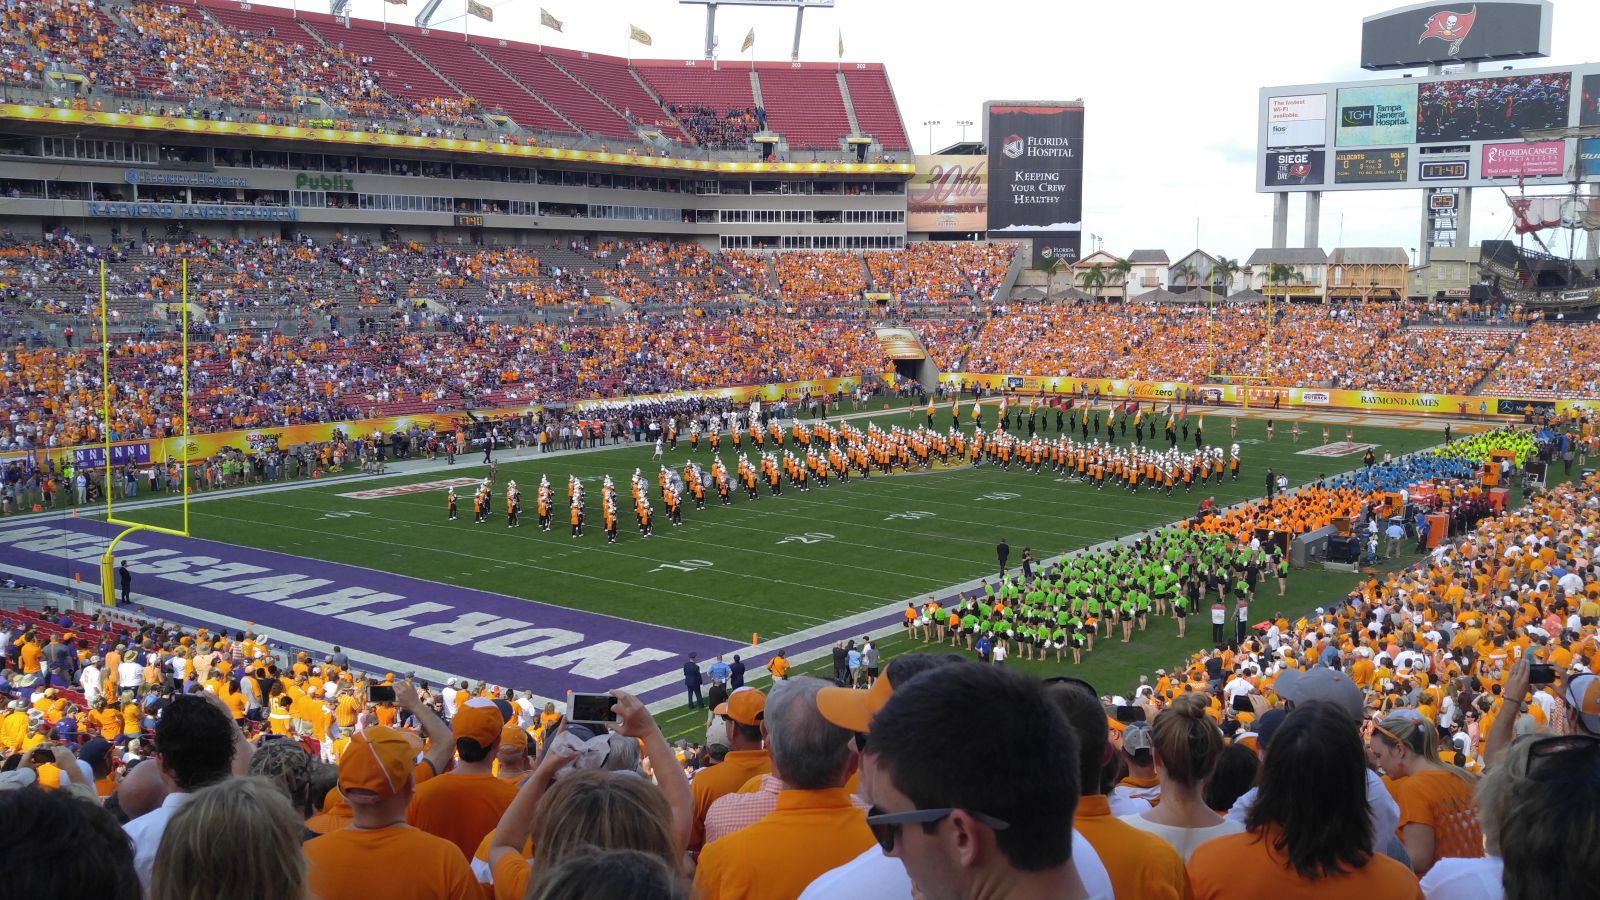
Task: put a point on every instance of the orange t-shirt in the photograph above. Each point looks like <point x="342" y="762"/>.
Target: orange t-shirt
<point x="711" y="783"/>
<point x="1246" y="865"/>
<point x="761" y="862"/>
<point x="1139" y="863"/>
<point x="460" y="808"/>
<point x="1444" y="802"/>
<point x="397" y="863"/>
<point x="511" y="873"/>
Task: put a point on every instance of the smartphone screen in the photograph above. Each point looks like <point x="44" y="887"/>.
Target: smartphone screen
<point x="591" y="708"/>
<point x="380" y="693"/>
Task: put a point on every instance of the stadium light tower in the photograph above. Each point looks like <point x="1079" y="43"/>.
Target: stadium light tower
<point x="799" y="6"/>
<point x="426" y="15"/>
<point x="964" y="124"/>
<point x="930" y="123"/>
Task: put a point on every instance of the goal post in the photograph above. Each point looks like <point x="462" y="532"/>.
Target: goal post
<point x="108" y="579"/>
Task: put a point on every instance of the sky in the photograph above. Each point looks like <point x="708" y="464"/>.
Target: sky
<point x="1170" y="89"/>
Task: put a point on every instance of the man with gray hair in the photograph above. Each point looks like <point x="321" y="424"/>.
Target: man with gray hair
<point x="814" y="758"/>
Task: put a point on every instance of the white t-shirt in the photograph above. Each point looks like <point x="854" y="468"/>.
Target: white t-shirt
<point x="1238" y="687"/>
<point x="145" y="833"/>
<point x="130" y="674"/>
<point x="999" y="653"/>
<point x="1184" y="840"/>
<point x="873" y="876"/>
<point x="1465" y="879"/>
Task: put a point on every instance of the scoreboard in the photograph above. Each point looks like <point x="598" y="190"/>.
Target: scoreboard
<point x="1370" y="166"/>
<point x="1464" y="129"/>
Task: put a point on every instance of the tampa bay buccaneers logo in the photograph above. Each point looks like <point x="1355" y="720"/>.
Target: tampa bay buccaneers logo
<point x="1452" y="27"/>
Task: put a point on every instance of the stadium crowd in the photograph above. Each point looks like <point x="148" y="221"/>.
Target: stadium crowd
<point x="1434" y="734"/>
<point x="729" y="129"/>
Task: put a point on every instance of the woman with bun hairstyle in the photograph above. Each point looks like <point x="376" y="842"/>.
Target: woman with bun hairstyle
<point x="1187" y="747"/>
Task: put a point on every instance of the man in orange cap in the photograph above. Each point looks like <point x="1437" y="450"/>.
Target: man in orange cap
<point x="743" y="715"/>
<point x="464" y="804"/>
<point x="379" y="855"/>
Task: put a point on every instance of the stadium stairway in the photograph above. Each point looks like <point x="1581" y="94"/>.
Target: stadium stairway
<point x="849" y="105"/>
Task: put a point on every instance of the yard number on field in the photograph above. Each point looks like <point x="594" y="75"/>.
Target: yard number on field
<point x="1000" y="495"/>
<point x="684" y="565"/>
<point x="810" y="537"/>
<point x="911" y="516"/>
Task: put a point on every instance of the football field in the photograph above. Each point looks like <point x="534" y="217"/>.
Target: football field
<point x="795" y="570"/>
<point x="770" y="566"/>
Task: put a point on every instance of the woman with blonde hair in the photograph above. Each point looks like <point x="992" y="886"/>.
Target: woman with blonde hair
<point x="238" y="839"/>
<point x="1438" y="813"/>
<point x="1187" y="747"/>
<point x="587" y="794"/>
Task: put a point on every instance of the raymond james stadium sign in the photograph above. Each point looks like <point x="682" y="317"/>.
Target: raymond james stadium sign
<point x="215" y="212"/>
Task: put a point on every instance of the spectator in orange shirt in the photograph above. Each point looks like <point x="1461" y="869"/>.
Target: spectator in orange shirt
<point x="1438" y="815"/>
<point x="379" y="855"/>
<point x="989" y="818"/>
<point x="747" y="758"/>
<point x="815" y="758"/>
<point x="464" y="804"/>
<point x="1308" y="833"/>
<point x="1139" y="863"/>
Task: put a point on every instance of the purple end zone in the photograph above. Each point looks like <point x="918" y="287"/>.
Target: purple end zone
<point x="384" y="621"/>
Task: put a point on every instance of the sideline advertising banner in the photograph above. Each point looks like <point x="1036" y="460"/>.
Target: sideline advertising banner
<point x="1327" y="398"/>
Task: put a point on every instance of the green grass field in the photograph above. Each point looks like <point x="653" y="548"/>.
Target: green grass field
<point x="771" y="566"/>
<point x="777" y="565"/>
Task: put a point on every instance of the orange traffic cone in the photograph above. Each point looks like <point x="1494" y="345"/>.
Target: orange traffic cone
<point x="755" y="639"/>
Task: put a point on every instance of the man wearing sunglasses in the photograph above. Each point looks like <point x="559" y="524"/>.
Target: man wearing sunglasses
<point x="872" y="875"/>
<point x="1001" y="826"/>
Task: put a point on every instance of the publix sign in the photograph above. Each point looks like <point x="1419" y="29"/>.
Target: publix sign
<point x="305" y="181"/>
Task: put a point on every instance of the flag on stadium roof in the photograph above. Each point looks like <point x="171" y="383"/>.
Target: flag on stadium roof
<point x="549" y="21"/>
<point x="749" y="41"/>
<point x="482" y="11"/>
<point x="635" y="33"/>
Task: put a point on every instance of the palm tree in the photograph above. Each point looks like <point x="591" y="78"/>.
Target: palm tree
<point x="1187" y="273"/>
<point x="1223" y="271"/>
<point x="1049" y="266"/>
<point x="1120" y="270"/>
<point x="1093" y="279"/>
<point x="1281" y="274"/>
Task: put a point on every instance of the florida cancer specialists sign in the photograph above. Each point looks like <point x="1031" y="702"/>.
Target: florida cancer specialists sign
<point x="1514" y="160"/>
